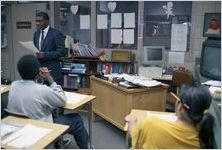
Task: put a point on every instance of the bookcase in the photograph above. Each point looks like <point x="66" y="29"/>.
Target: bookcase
<point x="116" y="66"/>
<point x="78" y="69"/>
<point x="76" y="72"/>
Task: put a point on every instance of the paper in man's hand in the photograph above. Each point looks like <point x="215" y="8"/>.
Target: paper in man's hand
<point x="30" y="46"/>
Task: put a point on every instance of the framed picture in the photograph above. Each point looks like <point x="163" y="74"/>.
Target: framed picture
<point x="212" y="25"/>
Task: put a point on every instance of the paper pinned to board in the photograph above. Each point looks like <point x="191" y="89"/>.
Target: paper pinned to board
<point x="29" y="45"/>
<point x="116" y="36"/>
<point x="176" y="57"/>
<point x="102" y="22"/>
<point x="23" y="139"/>
<point x="74" y="97"/>
<point x="128" y="36"/>
<point x="129" y="20"/>
<point x="116" y="20"/>
<point x="84" y="21"/>
<point x="179" y="37"/>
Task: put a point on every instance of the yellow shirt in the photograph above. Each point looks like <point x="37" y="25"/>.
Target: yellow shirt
<point x="158" y="133"/>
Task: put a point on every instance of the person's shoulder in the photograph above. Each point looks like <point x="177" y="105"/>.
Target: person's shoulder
<point x="53" y="29"/>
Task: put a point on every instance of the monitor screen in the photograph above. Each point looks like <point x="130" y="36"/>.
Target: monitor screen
<point x="153" y="55"/>
<point x="210" y="66"/>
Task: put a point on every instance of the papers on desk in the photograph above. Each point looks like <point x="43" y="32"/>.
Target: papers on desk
<point x="167" y="117"/>
<point x="30" y="46"/>
<point x="213" y="83"/>
<point x="140" y="80"/>
<point x="26" y="136"/>
<point x="74" y="97"/>
<point x="8" y="128"/>
<point x="137" y="80"/>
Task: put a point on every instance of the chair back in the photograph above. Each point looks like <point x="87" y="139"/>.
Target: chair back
<point x="181" y="77"/>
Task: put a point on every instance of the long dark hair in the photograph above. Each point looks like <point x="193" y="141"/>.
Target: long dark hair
<point x="198" y="100"/>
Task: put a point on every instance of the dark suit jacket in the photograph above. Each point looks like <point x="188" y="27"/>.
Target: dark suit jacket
<point x="53" y="48"/>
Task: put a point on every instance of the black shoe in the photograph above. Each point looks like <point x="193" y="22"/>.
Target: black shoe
<point x="91" y="146"/>
<point x="62" y="143"/>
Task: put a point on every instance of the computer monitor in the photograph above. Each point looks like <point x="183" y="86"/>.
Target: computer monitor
<point x="153" y="55"/>
<point x="210" y="63"/>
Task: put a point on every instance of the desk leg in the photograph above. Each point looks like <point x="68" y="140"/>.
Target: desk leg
<point x="90" y="123"/>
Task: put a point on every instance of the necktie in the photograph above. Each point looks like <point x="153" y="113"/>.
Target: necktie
<point x="42" y="39"/>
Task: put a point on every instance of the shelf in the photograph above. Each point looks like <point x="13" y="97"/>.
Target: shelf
<point x="116" y="61"/>
<point x="69" y="89"/>
<point x="80" y="58"/>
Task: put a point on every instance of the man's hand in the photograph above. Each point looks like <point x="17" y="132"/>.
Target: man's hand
<point x="40" y="55"/>
<point x="44" y="73"/>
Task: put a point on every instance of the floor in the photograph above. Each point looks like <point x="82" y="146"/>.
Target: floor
<point x="104" y="135"/>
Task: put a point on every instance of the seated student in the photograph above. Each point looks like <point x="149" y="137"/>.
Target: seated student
<point x="37" y="101"/>
<point x="192" y="129"/>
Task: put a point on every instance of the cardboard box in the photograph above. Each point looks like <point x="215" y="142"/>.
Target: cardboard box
<point x="121" y="56"/>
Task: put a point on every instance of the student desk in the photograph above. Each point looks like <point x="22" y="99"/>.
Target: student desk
<point x="57" y="130"/>
<point x="4" y="98"/>
<point x="113" y="102"/>
<point x="74" y="106"/>
<point x="4" y="88"/>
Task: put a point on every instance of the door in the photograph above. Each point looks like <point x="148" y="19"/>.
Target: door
<point x="23" y="26"/>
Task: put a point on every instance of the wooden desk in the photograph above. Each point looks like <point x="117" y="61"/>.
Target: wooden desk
<point x="57" y="130"/>
<point x="113" y="102"/>
<point x="74" y="106"/>
<point x="4" y="88"/>
<point x="4" y="99"/>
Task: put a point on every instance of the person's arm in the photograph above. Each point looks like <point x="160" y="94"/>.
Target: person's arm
<point x="55" y="96"/>
<point x="59" y="51"/>
<point x="135" y="131"/>
<point x="132" y="122"/>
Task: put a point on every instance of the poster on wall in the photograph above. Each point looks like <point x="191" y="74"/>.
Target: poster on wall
<point x="179" y="37"/>
<point x="212" y="25"/>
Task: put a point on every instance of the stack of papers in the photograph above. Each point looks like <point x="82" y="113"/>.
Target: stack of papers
<point x="140" y="80"/>
<point x="8" y="128"/>
<point x="26" y="136"/>
<point x="73" y="97"/>
<point x="213" y="83"/>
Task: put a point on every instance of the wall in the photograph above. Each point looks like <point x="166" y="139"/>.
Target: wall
<point x="10" y="56"/>
<point x="198" y="10"/>
<point x="11" y="53"/>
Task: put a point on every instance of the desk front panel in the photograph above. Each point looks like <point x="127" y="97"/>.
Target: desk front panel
<point x="113" y="104"/>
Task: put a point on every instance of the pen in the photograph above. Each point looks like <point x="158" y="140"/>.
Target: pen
<point x="46" y="71"/>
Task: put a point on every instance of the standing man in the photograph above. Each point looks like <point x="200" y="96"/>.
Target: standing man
<point x="50" y="43"/>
